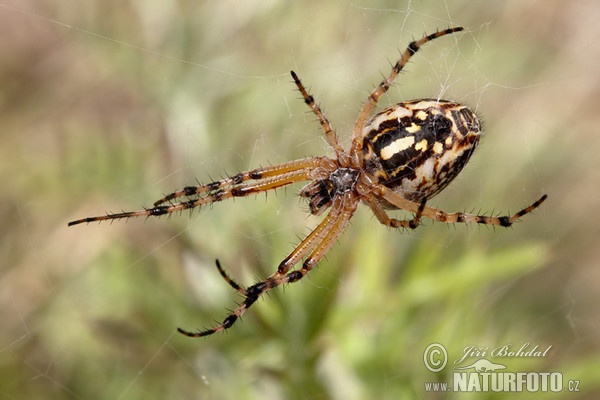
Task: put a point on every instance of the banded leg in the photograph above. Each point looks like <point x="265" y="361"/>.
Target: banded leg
<point x="442" y="216"/>
<point x="317" y="243"/>
<point x="393" y="222"/>
<point x="242" y="177"/>
<point x="237" y="287"/>
<point x="240" y="185"/>
<point x="385" y="84"/>
<point x="327" y="128"/>
<point x="318" y="234"/>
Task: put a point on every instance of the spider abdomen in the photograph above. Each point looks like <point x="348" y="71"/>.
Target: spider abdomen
<point x="416" y="148"/>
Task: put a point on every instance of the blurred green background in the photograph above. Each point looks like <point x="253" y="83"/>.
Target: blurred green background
<point x="107" y="105"/>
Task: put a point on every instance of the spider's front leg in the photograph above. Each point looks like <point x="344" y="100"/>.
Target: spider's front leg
<point x="316" y="245"/>
<point x="240" y="185"/>
<point x="259" y="179"/>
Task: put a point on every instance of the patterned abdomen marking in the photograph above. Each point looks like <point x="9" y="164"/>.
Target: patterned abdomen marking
<point x="417" y="148"/>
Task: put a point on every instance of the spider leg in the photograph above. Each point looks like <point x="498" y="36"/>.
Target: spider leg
<point x="238" y="179"/>
<point x="383" y="217"/>
<point x="240" y="185"/>
<point x="317" y="243"/>
<point x="327" y="128"/>
<point x="230" y="281"/>
<point x="369" y="105"/>
<point x="442" y="216"/>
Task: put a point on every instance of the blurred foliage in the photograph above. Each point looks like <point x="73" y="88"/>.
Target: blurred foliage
<point x="107" y="105"/>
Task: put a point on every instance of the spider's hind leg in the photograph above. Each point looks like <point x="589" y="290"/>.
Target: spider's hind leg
<point x="393" y="222"/>
<point x="457" y="217"/>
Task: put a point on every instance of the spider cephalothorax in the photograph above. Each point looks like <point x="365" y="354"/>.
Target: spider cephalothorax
<point x="399" y="158"/>
<point x="323" y="191"/>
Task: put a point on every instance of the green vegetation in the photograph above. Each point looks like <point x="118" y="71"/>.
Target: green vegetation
<point x="107" y="106"/>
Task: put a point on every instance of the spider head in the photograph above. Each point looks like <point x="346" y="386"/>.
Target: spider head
<point x="321" y="192"/>
<point x="417" y="148"/>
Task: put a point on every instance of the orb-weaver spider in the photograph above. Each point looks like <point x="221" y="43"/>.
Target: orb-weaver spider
<point x="398" y="159"/>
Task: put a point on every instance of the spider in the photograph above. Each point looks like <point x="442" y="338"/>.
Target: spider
<point x="399" y="158"/>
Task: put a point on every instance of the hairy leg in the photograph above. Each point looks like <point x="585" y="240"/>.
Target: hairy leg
<point x="318" y="242"/>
